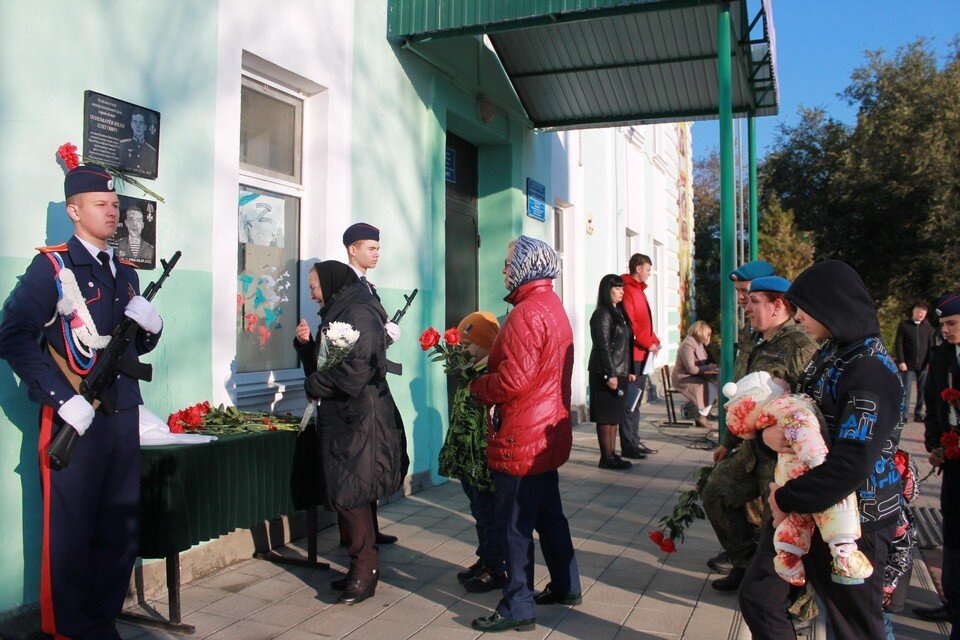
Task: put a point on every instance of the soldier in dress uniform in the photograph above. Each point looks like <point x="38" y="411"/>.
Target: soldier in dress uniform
<point x="54" y="323"/>
<point x="944" y="373"/>
<point x="136" y="153"/>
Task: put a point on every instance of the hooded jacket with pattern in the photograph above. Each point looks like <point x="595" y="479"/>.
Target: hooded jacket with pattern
<point x="855" y="383"/>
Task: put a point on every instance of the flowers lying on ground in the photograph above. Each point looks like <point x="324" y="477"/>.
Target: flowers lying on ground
<point x="456" y="358"/>
<point x="686" y="510"/>
<point x="204" y="418"/>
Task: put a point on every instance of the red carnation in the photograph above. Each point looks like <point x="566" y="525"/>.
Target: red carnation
<point x="950" y="438"/>
<point x="429" y="339"/>
<point x="951" y="452"/>
<point x="193" y="417"/>
<point x="174" y="423"/>
<point x="68" y="153"/>
<point x="668" y="546"/>
<point x="950" y="396"/>
<point x="452" y="337"/>
<point x="657" y="537"/>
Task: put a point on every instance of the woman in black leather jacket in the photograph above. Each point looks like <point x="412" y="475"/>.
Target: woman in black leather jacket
<point x="609" y="367"/>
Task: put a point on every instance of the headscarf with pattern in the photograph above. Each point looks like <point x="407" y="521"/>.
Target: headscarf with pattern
<point x="532" y="260"/>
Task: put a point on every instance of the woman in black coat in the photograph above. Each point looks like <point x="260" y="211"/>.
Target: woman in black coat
<point x="362" y="446"/>
<point x="610" y="368"/>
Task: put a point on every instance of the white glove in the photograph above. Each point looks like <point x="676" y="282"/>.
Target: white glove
<point x="393" y="332"/>
<point x="141" y="311"/>
<point x="78" y="413"/>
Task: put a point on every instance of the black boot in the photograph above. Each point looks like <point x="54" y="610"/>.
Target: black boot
<point x="939" y="613"/>
<point x="475" y="569"/>
<point x="486" y="580"/>
<point x="615" y="463"/>
<point x="358" y="590"/>
<point x="731" y="582"/>
<point x="720" y="563"/>
<point x="340" y="584"/>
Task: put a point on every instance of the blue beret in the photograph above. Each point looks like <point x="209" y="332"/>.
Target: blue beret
<point x="86" y="179"/>
<point x="948" y="305"/>
<point x="752" y="271"/>
<point x="360" y="231"/>
<point x="775" y="284"/>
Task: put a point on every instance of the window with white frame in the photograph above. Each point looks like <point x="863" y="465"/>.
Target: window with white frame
<point x="558" y="245"/>
<point x="268" y="222"/>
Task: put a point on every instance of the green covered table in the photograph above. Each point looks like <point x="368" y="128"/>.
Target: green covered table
<point x="194" y="493"/>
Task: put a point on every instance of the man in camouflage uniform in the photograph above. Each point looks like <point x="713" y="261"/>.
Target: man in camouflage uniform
<point x="741" y="477"/>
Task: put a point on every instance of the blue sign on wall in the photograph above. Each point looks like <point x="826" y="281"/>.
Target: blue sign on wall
<point x="536" y="200"/>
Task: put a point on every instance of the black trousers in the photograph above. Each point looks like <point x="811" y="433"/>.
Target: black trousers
<point x="950" y="506"/>
<point x="855" y="612"/>
<point x="345" y="537"/>
<point x="630" y="427"/>
<point x="358" y="524"/>
<point x="91" y="526"/>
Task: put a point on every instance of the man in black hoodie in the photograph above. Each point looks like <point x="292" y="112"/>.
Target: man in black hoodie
<point x="855" y="384"/>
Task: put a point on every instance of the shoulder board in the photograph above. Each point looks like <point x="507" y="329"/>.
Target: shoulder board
<point x="128" y="263"/>
<point x="52" y="248"/>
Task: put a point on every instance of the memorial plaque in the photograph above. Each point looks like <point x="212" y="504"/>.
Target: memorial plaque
<point x="136" y="236"/>
<point x="121" y="135"/>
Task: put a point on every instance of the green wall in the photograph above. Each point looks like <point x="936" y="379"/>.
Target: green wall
<point x="53" y="51"/>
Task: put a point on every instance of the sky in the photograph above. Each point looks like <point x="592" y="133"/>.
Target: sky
<point x="821" y="42"/>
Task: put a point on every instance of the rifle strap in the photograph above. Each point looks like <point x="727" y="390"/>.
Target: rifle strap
<point x="72" y="378"/>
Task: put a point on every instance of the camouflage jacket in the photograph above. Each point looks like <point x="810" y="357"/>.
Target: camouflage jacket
<point x="783" y="356"/>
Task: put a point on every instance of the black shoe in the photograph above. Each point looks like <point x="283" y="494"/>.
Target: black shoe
<point x="485" y="581"/>
<point x="731" y="582"/>
<point x="633" y="452"/>
<point x="358" y="590"/>
<point x="495" y="622"/>
<point x="615" y="462"/>
<point x="383" y="538"/>
<point x="940" y="613"/>
<point x="642" y="448"/>
<point x="469" y="572"/>
<point x="551" y="597"/>
<point x="720" y="563"/>
<point x="340" y="584"/>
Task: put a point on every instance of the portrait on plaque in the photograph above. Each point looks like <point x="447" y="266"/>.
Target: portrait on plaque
<point x="121" y="135"/>
<point x="136" y="236"/>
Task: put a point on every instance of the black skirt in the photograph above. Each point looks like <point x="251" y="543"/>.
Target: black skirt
<point x="606" y="407"/>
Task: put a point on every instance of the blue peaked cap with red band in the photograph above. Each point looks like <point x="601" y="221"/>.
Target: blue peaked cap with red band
<point x="360" y="231"/>
<point x="88" y="178"/>
<point x="948" y="305"/>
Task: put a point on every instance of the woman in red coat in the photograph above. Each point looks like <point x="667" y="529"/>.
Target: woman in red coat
<point x="528" y="383"/>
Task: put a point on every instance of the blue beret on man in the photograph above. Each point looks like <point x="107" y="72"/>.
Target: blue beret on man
<point x="948" y="305"/>
<point x="88" y="178"/>
<point x="360" y="231"/>
<point x="752" y="271"/>
<point x="773" y="284"/>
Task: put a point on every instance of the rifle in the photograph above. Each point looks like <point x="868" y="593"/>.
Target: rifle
<point x="396" y="368"/>
<point x="110" y="360"/>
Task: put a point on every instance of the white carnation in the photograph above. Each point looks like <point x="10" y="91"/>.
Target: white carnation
<point x="342" y="335"/>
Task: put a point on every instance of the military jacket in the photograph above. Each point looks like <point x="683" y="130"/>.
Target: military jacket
<point x="31" y="322"/>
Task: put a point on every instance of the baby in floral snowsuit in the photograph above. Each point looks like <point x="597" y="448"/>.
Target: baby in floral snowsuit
<point x="756" y="402"/>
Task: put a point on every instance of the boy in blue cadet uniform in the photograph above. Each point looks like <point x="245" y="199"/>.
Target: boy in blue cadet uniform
<point x="944" y="373"/>
<point x="62" y="313"/>
<point x="855" y="384"/>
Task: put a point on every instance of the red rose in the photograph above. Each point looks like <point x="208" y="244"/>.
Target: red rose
<point x="950" y="438"/>
<point x="429" y="339"/>
<point x="950" y="396"/>
<point x="951" y="452"/>
<point x="668" y="546"/>
<point x="452" y="337"/>
<point x="657" y="537"/>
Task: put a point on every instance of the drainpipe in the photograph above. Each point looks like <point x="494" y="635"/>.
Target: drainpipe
<point x="728" y="308"/>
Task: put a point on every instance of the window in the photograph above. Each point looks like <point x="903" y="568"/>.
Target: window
<point x="558" y="246"/>
<point x="268" y="224"/>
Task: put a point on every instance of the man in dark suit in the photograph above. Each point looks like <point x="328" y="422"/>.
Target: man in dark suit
<point x="136" y="154"/>
<point x="61" y="314"/>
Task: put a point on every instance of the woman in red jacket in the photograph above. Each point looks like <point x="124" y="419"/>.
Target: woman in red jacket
<point x="528" y="383"/>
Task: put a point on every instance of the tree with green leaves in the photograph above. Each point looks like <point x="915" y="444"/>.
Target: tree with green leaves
<point x="781" y="243"/>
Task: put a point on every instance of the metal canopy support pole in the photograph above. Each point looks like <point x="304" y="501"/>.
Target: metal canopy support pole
<point x="752" y="161"/>
<point x="728" y="309"/>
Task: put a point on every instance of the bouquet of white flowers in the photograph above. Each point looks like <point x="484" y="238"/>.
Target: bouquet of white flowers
<point x="338" y="340"/>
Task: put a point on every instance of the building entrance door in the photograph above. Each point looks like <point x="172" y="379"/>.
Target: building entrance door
<point x="462" y="239"/>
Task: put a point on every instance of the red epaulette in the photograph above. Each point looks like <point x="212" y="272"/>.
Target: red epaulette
<point x="53" y="248"/>
<point x="128" y="263"/>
